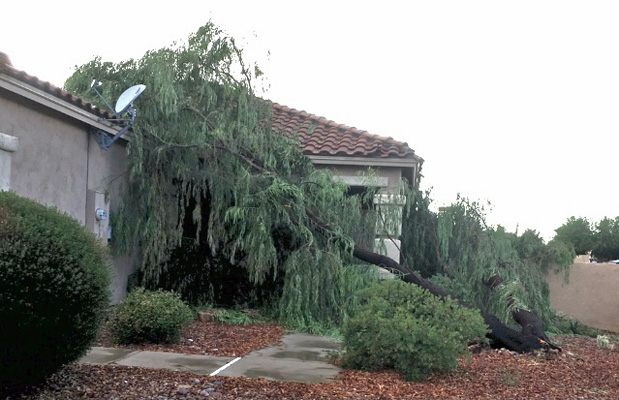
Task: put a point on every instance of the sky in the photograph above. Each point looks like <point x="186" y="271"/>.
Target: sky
<point x="512" y="103"/>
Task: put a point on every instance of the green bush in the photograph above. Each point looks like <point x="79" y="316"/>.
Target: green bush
<point x="149" y="317"/>
<point x="54" y="290"/>
<point x="233" y="317"/>
<point x="561" y="324"/>
<point x="401" y="326"/>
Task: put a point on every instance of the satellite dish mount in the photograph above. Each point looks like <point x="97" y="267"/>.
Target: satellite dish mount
<point x="124" y="105"/>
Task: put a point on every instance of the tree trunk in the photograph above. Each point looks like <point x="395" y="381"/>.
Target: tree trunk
<point x="531" y="337"/>
<point x="530" y="322"/>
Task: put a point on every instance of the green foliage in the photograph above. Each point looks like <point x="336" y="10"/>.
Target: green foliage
<point x="578" y="233"/>
<point x="563" y="325"/>
<point x="559" y="255"/>
<point x="606" y="239"/>
<point x="601" y="238"/>
<point x="420" y="247"/>
<point x="149" y="317"/>
<point x="510" y="376"/>
<point x="206" y="168"/>
<point x="604" y="342"/>
<point x="233" y="317"/>
<point x="398" y="325"/>
<point x="54" y="290"/>
<point x="465" y="255"/>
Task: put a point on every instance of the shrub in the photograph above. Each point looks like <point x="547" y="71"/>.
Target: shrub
<point x="562" y="324"/>
<point x="401" y="326"/>
<point x="54" y="290"/>
<point x="149" y="317"/>
<point x="603" y="342"/>
<point x="233" y="317"/>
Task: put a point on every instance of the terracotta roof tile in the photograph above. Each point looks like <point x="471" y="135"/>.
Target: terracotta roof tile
<point x="317" y="135"/>
<point x="7" y="68"/>
<point x="320" y="136"/>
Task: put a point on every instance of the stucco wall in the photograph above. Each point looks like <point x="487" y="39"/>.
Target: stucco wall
<point x="388" y="180"/>
<point x="591" y="296"/>
<point x="58" y="162"/>
<point x="50" y="163"/>
<point x="106" y="174"/>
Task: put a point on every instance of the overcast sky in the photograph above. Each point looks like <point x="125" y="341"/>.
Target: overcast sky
<point x="512" y="102"/>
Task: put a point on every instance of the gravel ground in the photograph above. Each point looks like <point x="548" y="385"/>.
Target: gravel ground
<point x="582" y="371"/>
<point x="212" y="338"/>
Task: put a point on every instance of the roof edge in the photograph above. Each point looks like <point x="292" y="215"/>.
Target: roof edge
<point x="50" y="101"/>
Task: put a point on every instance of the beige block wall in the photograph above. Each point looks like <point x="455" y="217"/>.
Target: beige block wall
<point x="57" y="163"/>
<point x="591" y="296"/>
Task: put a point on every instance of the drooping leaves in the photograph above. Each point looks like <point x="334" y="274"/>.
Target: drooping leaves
<point x="205" y="166"/>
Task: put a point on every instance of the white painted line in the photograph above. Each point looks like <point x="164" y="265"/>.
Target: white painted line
<point x="218" y="370"/>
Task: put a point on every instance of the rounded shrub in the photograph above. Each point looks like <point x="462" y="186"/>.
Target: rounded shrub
<point x="401" y="326"/>
<point x="149" y="317"/>
<point x="54" y="290"/>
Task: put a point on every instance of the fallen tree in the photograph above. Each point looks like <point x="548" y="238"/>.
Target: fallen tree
<point x="531" y="337"/>
<point x="206" y="168"/>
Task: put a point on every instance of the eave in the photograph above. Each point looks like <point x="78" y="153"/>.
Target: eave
<point x="47" y="100"/>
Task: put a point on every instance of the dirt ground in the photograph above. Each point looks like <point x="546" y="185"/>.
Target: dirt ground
<point x="581" y="371"/>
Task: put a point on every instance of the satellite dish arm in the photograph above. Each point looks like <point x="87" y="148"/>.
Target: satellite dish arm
<point x="105" y="142"/>
<point x="93" y="86"/>
<point x="117" y="136"/>
<point x="123" y="104"/>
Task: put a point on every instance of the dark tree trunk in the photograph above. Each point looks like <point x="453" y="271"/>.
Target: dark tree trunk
<point x="531" y="337"/>
<point x="530" y="323"/>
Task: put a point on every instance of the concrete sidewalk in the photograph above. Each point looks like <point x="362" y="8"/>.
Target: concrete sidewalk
<point x="297" y="358"/>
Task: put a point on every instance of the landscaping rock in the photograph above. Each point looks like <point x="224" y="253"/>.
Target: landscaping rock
<point x="183" y="389"/>
<point x="206" y="316"/>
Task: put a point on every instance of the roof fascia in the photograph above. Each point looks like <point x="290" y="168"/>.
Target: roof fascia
<point x="367" y="161"/>
<point x="47" y="100"/>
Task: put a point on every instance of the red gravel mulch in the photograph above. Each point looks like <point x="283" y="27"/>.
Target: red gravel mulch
<point x="212" y="338"/>
<point x="582" y="371"/>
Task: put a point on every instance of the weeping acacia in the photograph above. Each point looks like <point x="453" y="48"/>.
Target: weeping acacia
<point x="211" y="186"/>
<point x="497" y="272"/>
<point x="210" y="181"/>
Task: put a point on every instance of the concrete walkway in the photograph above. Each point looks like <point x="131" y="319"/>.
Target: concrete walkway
<point x="297" y="358"/>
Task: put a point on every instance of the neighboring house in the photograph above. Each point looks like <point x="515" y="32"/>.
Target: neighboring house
<point x="348" y="152"/>
<point x="48" y="152"/>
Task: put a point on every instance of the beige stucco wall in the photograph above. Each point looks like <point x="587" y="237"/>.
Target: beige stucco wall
<point x="591" y="296"/>
<point x="50" y="162"/>
<point x="58" y="161"/>
<point x="388" y="180"/>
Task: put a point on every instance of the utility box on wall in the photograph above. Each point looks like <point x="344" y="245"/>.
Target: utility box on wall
<point x="97" y="218"/>
<point x="8" y="145"/>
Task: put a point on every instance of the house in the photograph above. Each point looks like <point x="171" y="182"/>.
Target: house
<point x="348" y="152"/>
<point x="48" y="152"/>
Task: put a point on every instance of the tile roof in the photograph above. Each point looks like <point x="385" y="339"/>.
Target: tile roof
<point x="318" y="135"/>
<point x="321" y="137"/>
<point x="7" y="68"/>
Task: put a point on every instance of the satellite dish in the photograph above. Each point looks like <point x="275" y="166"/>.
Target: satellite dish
<point x="126" y="99"/>
<point x="123" y="104"/>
